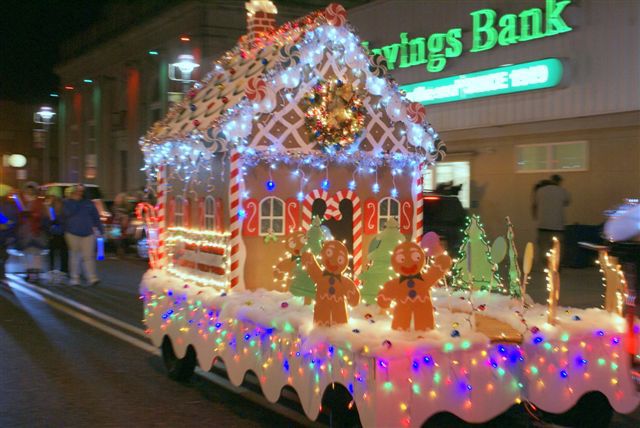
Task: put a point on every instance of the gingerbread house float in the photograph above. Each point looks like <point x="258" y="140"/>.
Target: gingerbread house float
<point x="292" y="122"/>
<point x="299" y="121"/>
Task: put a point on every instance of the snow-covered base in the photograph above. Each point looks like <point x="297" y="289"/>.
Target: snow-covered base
<point x="396" y="378"/>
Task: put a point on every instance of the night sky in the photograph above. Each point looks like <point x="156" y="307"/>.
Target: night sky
<point x="30" y="33"/>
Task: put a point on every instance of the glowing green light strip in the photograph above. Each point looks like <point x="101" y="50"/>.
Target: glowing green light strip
<point x="528" y="76"/>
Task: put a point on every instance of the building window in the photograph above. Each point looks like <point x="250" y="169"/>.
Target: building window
<point x="74" y="169"/>
<point x="271" y="216"/>
<point x="178" y="212"/>
<point x="553" y="157"/>
<point x="388" y="208"/>
<point x="209" y="213"/>
<point x="456" y="173"/>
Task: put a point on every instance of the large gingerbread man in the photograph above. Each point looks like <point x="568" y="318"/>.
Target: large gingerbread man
<point x="411" y="290"/>
<point x="333" y="289"/>
<point x="284" y="269"/>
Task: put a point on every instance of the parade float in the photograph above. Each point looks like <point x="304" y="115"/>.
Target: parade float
<point x="287" y="241"/>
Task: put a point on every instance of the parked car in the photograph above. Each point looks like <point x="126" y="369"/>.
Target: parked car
<point x="91" y="191"/>
<point x="444" y="214"/>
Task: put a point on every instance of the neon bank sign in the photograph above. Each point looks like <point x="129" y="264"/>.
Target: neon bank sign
<point x="488" y="30"/>
<point x="528" y="76"/>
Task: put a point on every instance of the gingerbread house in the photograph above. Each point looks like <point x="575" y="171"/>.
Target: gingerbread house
<point x="292" y="122"/>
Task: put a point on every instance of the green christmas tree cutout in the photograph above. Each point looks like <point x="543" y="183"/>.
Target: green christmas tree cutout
<point x="475" y="269"/>
<point x="515" y="286"/>
<point x="379" y="261"/>
<point x="301" y="283"/>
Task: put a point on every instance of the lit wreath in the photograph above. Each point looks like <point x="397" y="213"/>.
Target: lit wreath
<point x="334" y="114"/>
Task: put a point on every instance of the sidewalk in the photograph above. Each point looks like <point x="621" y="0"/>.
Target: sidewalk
<point x="580" y="288"/>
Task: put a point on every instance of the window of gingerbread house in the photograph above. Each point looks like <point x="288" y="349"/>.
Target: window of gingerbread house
<point x="271" y="216"/>
<point x="209" y="213"/>
<point x="388" y="208"/>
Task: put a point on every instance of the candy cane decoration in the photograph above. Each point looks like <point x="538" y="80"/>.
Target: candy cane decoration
<point x="307" y="206"/>
<point x="553" y="281"/>
<point x="161" y="209"/>
<point x="236" y="223"/>
<point x="147" y="213"/>
<point x="417" y="206"/>
<point x="334" y="203"/>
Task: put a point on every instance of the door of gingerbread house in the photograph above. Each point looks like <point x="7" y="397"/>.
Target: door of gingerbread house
<point x="342" y="229"/>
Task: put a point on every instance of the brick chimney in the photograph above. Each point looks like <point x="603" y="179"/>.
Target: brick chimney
<point x="261" y="18"/>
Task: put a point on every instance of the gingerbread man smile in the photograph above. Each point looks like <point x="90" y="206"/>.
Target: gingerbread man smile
<point x="411" y="289"/>
<point x="334" y="290"/>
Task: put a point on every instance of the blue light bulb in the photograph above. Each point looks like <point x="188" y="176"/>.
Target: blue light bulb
<point x="352" y="185"/>
<point x="270" y="185"/>
<point x="394" y="193"/>
<point x="325" y="184"/>
<point x="376" y="188"/>
<point x="300" y="196"/>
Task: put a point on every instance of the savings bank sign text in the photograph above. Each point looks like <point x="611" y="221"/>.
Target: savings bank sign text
<point x="487" y="30"/>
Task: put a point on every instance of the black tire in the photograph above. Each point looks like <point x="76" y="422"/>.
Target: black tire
<point x="178" y="369"/>
<point x="338" y="408"/>
<point x="591" y="411"/>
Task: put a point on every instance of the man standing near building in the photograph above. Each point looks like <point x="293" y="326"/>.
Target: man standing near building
<point x="550" y="200"/>
<point x="81" y="221"/>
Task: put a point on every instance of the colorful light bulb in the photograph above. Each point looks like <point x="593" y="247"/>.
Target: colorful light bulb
<point x="270" y="185"/>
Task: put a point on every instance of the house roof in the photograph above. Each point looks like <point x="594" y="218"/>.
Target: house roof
<point x="255" y="95"/>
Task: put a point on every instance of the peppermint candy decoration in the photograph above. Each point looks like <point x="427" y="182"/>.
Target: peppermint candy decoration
<point x="289" y="55"/>
<point x="378" y="65"/>
<point x="256" y="89"/>
<point x="215" y="142"/>
<point x="441" y="151"/>
<point x="416" y="112"/>
<point x="335" y="14"/>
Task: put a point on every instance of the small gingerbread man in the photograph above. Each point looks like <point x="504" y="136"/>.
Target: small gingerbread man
<point x="411" y="290"/>
<point x="333" y="289"/>
<point x="283" y="270"/>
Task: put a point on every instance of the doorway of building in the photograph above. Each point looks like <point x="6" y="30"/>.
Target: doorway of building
<point x="342" y="230"/>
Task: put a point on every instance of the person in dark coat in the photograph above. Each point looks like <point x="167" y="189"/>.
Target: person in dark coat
<point x="57" y="245"/>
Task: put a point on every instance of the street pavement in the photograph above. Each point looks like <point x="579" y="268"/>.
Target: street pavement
<point x="117" y="296"/>
<point x="58" y="371"/>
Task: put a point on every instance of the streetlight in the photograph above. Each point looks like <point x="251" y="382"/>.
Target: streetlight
<point x="185" y="65"/>
<point x="45" y="117"/>
<point x="15" y="160"/>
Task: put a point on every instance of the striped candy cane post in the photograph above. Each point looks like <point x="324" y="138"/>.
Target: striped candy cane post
<point x="161" y="209"/>
<point x="333" y="206"/>
<point x="307" y="206"/>
<point x="417" y="206"/>
<point x="236" y="223"/>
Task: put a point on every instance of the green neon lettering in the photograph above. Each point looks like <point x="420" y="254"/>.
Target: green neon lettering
<point x="553" y="19"/>
<point x="418" y="51"/>
<point x="484" y="35"/>
<point x="391" y="54"/>
<point x="404" y="51"/>
<point x="437" y="59"/>
<point x="487" y="31"/>
<point x="454" y="41"/>
<point x="531" y="24"/>
<point x="509" y="30"/>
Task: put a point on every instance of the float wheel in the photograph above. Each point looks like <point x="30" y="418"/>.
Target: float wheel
<point x="591" y="411"/>
<point x="178" y="369"/>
